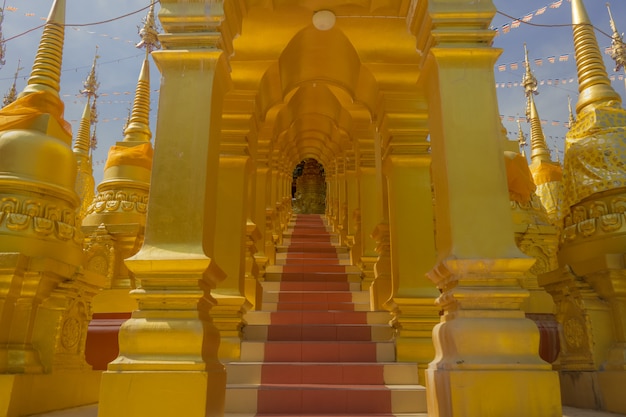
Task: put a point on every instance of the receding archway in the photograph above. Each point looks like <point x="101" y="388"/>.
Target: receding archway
<point x="309" y="187"/>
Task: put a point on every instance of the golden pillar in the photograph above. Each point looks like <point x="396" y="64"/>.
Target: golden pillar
<point x="487" y="360"/>
<point x="353" y="219"/>
<point x="230" y="249"/>
<point x="412" y="241"/>
<point x="168" y="363"/>
<point x="371" y="212"/>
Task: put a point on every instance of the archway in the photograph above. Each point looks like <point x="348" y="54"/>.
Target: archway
<point x="309" y="187"/>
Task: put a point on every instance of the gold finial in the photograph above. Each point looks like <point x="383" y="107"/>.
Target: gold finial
<point x="521" y="139"/>
<point x="46" y="72"/>
<point x="572" y="119"/>
<point x="529" y="82"/>
<point x="11" y="95"/>
<point x="91" y="84"/>
<point x="618" y="47"/>
<point x="594" y="85"/>
<point x="148" y="33"/>
<point x="127" y="122"/>
<point x="137" y="127"/>
<point x="82" y="144"/>
<point x="539" y="151"/>
<point x="556" y="153"/>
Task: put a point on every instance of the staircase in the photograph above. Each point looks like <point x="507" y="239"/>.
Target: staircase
<point x="315" y="349"/>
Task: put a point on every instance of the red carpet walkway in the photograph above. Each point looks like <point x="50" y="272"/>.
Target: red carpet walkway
<point x="316" y="349"/>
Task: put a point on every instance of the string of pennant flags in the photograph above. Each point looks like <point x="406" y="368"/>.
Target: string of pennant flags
<point x="553" y="82"/>
<point x="516" y="23"/>
<point x="75" y="28"/>
<point x="514" y="66"/>
<point x="544" y="122"/>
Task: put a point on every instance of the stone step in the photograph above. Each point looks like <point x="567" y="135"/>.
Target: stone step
<point x="317" y="317"/>
<point x="275" y="297"/>
<point x="326" y="400"/>
<point x="334" y="332"/>
<point x="317" y="351"/>
<point x="353" y="373"/>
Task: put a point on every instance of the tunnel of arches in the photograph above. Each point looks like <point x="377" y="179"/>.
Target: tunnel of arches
<point x="308" y="188"/>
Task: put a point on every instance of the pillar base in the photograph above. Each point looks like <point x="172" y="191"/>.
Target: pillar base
<point x="598" y="390"/>
<point x="163" y="394"/>
<point x="26" y="394"/>
<point x="493" y="393"/>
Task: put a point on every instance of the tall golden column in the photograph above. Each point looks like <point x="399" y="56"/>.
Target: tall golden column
<point x="168" y="363"/>
<point x="370" y="203"/>
<point x="353" y="240"/>
<point x="44" y="296"/>
<point x="115" y="223"/>
<point x="406" y="166"/>
<point x="589" y="289"/>
<point x="484" y="343"/>
<point x="235" y="170"/>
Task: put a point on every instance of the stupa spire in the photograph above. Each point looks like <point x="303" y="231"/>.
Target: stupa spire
<point x="594" y="86"/>
<point x="521" y="139"/>
<point x="529" y="82"/>
<point x="571" y="119"/>
<point x="11" y="95"/>
<point x="46" y="72"/>
<point x="138" y="126"/>
<point x="538" y="148"/>
<point x="82" y="145"/>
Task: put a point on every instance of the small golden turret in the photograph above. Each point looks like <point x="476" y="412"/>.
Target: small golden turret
<point x="546" y="174"/>
<point x="127" y="171"/>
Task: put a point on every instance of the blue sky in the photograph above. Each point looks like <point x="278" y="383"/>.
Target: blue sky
<point x="119" y="62"/>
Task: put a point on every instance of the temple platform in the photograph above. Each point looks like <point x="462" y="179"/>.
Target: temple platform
<point x="92" y="411"/>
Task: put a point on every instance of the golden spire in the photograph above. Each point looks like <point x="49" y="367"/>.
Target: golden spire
<point x="46" y="72"/>
<point x="538" y="148"/>
<point x="594" y="85"/>
<point x="11" y="95"/>
<point x="572" y="119"/>
<point x="82" y="145"/>
<point x="138" y="128"/>
<point x="521" y="139"/>
<point x="529" y="82"/>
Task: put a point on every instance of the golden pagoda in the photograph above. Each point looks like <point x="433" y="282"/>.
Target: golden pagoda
<point x="420" y="265"/>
